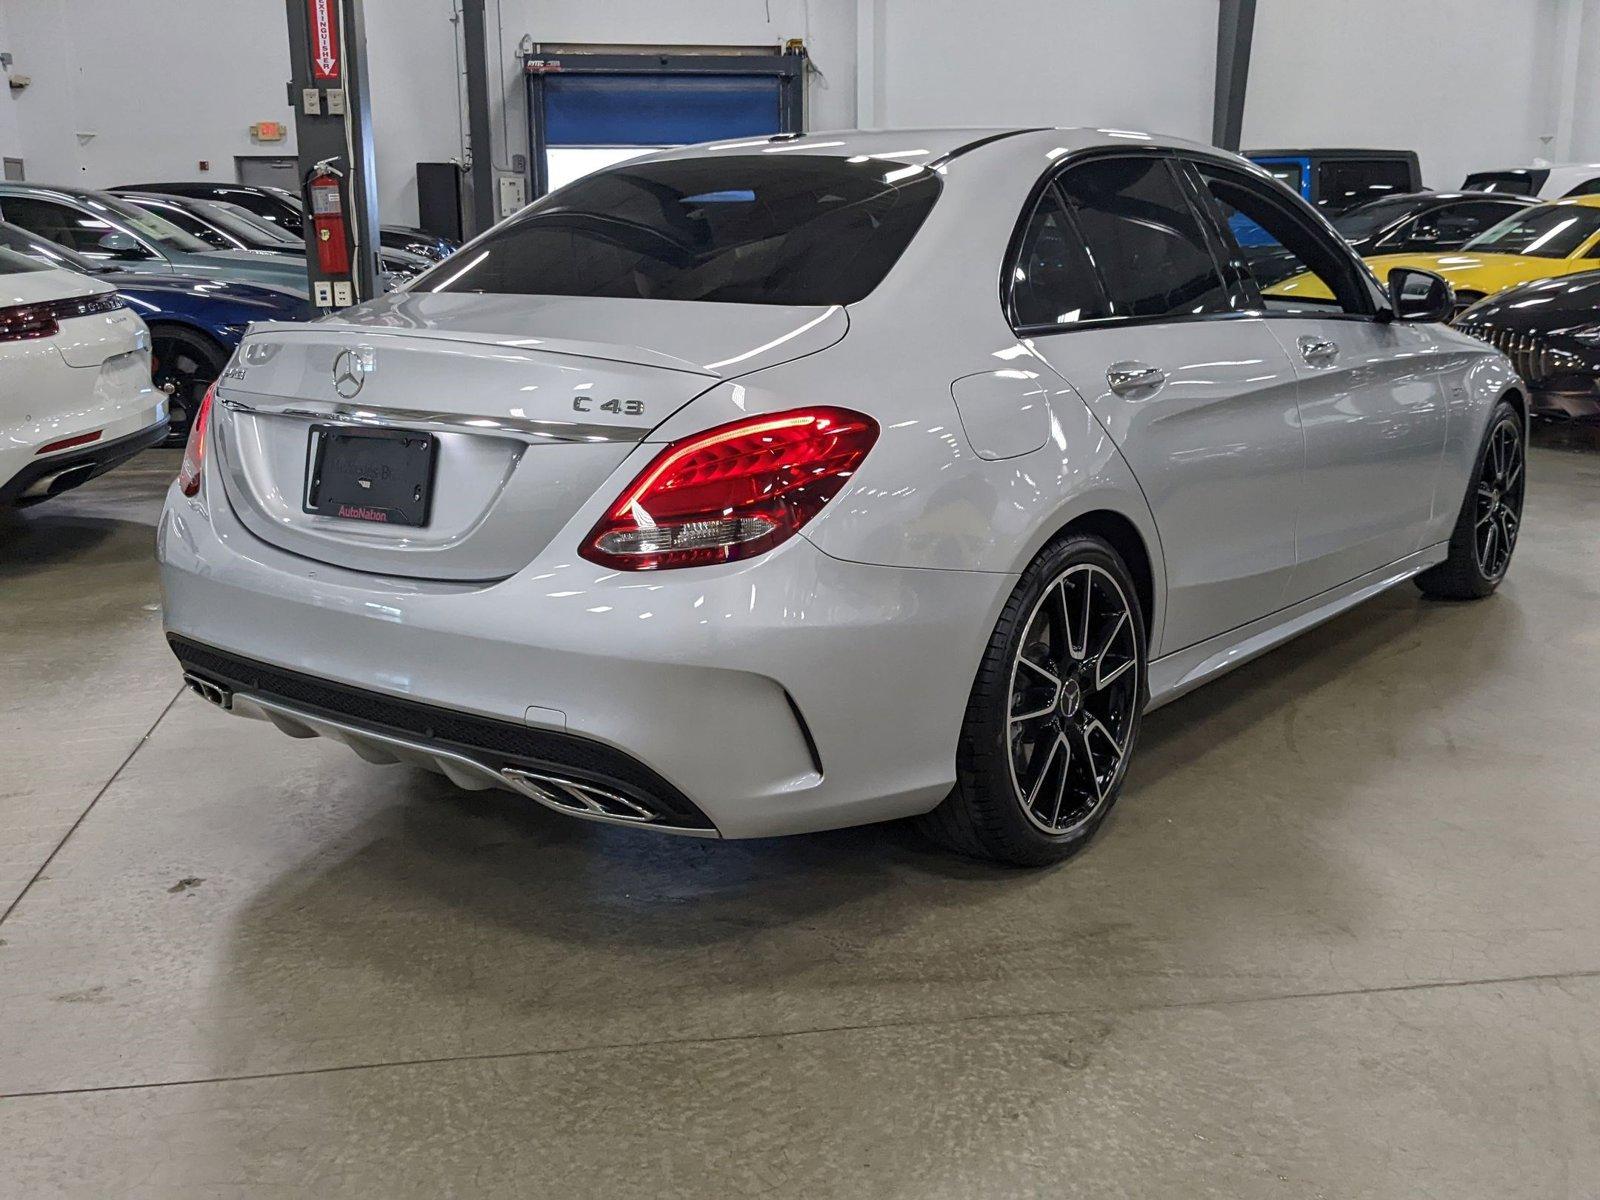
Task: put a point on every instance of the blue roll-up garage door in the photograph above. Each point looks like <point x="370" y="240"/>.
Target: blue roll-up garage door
<point x="658" y="110"/>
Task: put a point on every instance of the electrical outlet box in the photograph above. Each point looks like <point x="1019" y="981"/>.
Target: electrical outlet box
<point x="336" y="102"/>
<point x="513" y="195"/>
<point x="343" y="294"/>
<point x="322" y="294"/>
<point x="311" y="101"/>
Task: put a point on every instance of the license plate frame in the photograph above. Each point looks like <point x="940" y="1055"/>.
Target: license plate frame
<point x="371" y="476"/>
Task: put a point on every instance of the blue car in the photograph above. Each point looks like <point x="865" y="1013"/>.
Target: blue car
<point x="195" y="322"/>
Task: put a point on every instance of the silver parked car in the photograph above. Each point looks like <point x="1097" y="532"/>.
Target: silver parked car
<point x="783" y="484"/>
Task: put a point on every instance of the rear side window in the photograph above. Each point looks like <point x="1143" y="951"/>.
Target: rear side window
<point x="1146" y="241"/>
<point x="1053" y="282"/>
<point x="743" y="229"/>
<point x="1343" y="183"/>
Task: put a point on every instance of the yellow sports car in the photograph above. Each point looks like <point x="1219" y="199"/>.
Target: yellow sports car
<point x="1536" y="243"/>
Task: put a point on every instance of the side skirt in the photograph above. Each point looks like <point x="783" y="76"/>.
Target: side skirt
<point x="1184" y="670"/>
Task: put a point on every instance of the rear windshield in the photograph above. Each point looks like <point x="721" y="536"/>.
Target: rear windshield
<point x="14" y="264"/>
<point x="1345" y="182"/>
<point x="744" y="229"/>
<point x="1550" y="231"/>
<point x="1517" y="183"/>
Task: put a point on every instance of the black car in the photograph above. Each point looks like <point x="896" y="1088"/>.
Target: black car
<point x="283" y="208"/>
<point x="1424" y="222"/>
<point x="1414" y="222"/>
<point x="1550" y="329"/>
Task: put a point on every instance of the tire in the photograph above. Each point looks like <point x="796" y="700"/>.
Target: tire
<point x="1486" y="529"/>
<point x="189" y="362"/>
<point x="1042" y="687"/>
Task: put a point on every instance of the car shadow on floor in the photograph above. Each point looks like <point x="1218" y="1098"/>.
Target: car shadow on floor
<point x="33" y="541"/>
<point x="485" y="901"/>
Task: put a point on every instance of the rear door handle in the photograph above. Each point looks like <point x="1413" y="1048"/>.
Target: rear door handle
<point x="1318" y="350"/>
<point x="1125" y="377"/>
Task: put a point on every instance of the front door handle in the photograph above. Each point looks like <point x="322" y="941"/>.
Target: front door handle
<point x="1125" y="377"/>
<point x="1318" y="350"/>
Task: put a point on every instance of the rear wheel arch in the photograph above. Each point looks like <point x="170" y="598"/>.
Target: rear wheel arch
<point x="1515" y="398"/>
<point x="1123" y="536"/>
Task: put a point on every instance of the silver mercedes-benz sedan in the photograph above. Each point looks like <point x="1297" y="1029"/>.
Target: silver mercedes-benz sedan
<point x="783" y="484"/>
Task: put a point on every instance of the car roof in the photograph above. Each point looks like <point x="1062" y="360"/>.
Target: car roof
<point x="1567" y="166"/>
<point x="1427" y="197"/>
<point x="935" y="147"/>
<point x="1331" y="152"/>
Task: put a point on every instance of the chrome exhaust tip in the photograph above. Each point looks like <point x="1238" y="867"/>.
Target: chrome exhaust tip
<point x="210" y="692"/>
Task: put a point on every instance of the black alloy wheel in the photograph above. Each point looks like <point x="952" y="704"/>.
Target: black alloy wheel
<point x="183" y="364"/>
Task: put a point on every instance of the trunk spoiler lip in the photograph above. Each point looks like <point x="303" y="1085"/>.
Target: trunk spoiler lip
<point x="742" y="363"/>
<point x="330" y="331"/>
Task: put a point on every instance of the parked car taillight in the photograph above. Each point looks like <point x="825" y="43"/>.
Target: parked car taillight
<point x="194" y="451"/>
<point x="25" y="322"/>
<point x="732" y="492"/>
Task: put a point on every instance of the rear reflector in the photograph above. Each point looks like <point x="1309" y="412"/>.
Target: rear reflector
<point x="732" y="492"/>
<point x="194" y="451"/>
<point x="83" y="439"/>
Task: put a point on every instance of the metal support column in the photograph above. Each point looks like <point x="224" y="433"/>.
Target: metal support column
<point x="1236" y="23"/>
<point x="330" y="94"/>
<point x="475" y="46"/>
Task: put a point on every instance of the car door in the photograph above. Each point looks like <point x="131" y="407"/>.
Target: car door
<point x="1119" y="288"/>
<point x="1372" y="399"/>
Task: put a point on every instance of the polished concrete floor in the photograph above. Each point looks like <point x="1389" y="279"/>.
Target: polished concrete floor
<point x="1341" y="938"/>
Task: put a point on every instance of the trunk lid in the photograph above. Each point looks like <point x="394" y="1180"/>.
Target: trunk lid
<point x="533" y="403"/>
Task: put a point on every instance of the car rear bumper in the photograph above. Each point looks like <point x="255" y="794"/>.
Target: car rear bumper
<point x="791" y="693"/>
<point x="49" y="476"/>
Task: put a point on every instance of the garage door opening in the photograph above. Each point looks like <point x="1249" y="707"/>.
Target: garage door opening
<point x="589" y="109"/>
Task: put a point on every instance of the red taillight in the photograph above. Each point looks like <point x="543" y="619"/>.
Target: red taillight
<point x="25" y="322"/>
<point x="194" y="451"/>
<point x="731" y="492"/>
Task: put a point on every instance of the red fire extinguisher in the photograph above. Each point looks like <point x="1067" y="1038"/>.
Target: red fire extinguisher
<point x="327" y="222"/>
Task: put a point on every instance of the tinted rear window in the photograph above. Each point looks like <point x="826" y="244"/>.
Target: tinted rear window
<point x="1342" y="183"/>
<point x="15" y="264"/>
<point x="1517" y="183"/>
<point x="744" y="229"/>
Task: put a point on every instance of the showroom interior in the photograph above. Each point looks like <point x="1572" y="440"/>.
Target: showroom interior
<point x="1340" y="934"/>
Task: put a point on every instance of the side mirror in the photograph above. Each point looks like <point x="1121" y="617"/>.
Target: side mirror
<point x="1420" y="295"/>
<point x="121" y="245"/>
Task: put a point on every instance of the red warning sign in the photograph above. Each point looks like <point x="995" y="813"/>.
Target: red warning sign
<point x="324" y="39"/>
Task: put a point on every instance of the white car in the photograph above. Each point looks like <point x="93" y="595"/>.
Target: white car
<point x="800" y="482"/>
<point x="1548" y="181"/>
<point x="75" y="391"/>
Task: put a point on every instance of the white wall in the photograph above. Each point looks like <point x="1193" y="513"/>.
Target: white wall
<point x="161" y="84"/>
<point x="1468" y="84"/>
<point x="1128" y="64"/>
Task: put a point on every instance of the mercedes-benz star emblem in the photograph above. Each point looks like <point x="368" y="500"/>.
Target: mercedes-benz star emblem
<point x="350" y="371"/>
